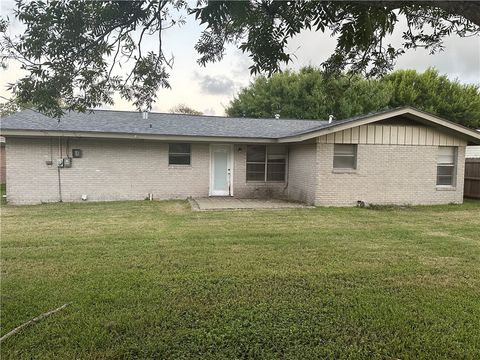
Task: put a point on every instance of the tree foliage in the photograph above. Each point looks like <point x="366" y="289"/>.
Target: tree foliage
<point x="79" y="53"/>
<point x="11" y="107"/>
<point x="184" y="109"/>
<point x="310" y="94"/>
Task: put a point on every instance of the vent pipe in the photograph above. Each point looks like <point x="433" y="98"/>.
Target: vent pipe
<point x="330" y="119"/>
<point x="277" y="116"/>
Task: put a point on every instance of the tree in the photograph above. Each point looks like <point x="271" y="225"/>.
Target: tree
<point x="73" y="50"/>
<point x="310" y="94"/>
<point x="435" y="93"/>
<point x="184" y="109"/>
<point x="11" y="107"/>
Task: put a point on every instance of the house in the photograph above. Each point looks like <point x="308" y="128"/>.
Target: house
<point x="3" y="162"/>
<point x="399" y="156"/>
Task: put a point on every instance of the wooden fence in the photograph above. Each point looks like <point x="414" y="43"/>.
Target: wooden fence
<point x="472" y="178"/>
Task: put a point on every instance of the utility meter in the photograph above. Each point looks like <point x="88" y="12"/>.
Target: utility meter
<point x="67" y="162"/>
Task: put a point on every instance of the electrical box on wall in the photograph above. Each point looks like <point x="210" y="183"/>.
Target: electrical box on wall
<point x="60" y="163"/>
<point x="76" y="153"/>
<point x="67" y="162"/>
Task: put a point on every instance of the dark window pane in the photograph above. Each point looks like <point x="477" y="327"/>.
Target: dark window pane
<point x="345" y="149"/>
<point x="445" y="170"/>
<point x="276" y="159"/>
<point x="178" y="148"/>
<point x="276" y="172"/>
<point x="256" y="172"/>
<point x="256" y="153"/>
<point x="344" y="162"/>
<point x="277" y="150"/>
<point x="444" y="180"/>
<point x="179" y="159"/>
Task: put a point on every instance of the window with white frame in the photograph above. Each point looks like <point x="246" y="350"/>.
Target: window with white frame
<point x="446" y="165"/>
<point x="344" y="156"/>
<point x="179" y="154"/>
<point x="266" y="163"/>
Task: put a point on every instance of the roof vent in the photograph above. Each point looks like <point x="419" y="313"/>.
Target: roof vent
<point x="331" y="118"/>
<point x="145" y="115"/>
<point x="277" y="116"/>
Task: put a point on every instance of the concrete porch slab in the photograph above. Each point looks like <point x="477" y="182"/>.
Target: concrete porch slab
<point x="230" y="203"/>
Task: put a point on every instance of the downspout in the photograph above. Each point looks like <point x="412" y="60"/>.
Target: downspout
<point x="58" y="170"/>
<point x="287" y="166"/>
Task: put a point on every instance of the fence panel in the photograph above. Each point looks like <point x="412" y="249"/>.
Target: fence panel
<point x="472" y="178"/>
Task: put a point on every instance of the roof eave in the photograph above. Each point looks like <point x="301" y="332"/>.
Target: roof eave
<point x="107" y="135"/>
<point x="471" y="135"/>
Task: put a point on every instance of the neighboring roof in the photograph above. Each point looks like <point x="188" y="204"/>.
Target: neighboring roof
<point x="127" y="124"/>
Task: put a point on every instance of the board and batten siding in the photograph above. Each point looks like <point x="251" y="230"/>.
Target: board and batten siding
<point x="391" y="135"/>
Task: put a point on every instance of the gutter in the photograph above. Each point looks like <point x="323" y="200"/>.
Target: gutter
<point x="101" y="135"/>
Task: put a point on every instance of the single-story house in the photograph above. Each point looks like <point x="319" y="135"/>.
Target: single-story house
<point x="398" y="156"/>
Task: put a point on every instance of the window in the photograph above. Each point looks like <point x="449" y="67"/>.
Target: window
<point x="266" y="163"/>
<point x="344" y="156"/>
<point x="446" y="165"/>
<point x="178" y="154"/>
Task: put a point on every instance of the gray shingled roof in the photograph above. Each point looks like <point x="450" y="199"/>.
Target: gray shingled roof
<point x="126" y="122"/>
<point x="132" y="123"/>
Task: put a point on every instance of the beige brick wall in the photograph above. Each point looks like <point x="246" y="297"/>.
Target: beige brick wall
<point x="386" y="174"/>
<point x="117" y="170"/>
<point x="108" y="170"/>
<point x="29" y="180"/>
<point x="128" y="169"/>
<point x="3" y="164"/>
<point x="302" y="172"/>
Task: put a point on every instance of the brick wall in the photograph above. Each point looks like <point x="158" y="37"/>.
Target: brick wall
<point x="117" y="170"/>
<point x="129" y="169"/>
<point x="3" y="165"/>
<point x="386" y="174"/>
<point x="302" y="174"/>
<point x="108" y="170"/>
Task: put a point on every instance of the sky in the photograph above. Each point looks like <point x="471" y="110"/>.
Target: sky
<point x="209" y="89"/>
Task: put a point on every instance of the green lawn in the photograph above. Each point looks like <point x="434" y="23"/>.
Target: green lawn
<point x="155" y="280"/>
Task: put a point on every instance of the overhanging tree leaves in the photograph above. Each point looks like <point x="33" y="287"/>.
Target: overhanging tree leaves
<point x="72" y="50"/>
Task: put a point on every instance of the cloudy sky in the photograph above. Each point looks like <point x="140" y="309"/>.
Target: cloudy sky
<point x="209" y="89"/>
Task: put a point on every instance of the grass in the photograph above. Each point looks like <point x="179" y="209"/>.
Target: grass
<point x="155" y="280"/>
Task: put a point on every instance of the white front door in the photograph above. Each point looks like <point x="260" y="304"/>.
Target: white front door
<point x="221" y="170"/>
